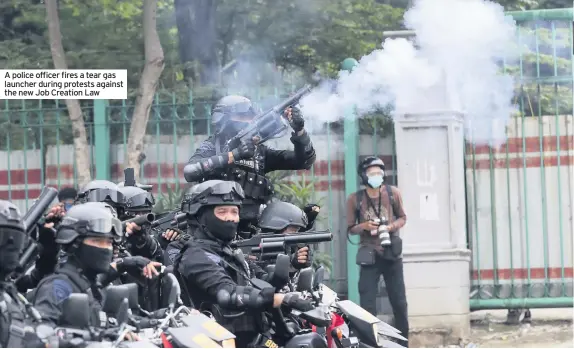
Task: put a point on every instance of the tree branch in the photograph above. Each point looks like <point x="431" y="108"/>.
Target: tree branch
<point x="81" y="146"/>
<point x="147" y="86"/>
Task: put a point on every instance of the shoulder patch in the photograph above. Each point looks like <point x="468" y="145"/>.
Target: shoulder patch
<point x="215" y="258"/>
<point x="61" y="290"/>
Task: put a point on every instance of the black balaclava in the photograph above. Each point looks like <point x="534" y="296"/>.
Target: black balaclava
<point x="11" y="245"/>
<point x="221" y="230"/>
<point x="92" y="259"/>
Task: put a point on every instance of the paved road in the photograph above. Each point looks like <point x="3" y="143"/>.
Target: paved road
<point x="550" y="328"/>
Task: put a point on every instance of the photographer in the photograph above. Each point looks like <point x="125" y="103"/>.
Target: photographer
<point x="376" y="214"/>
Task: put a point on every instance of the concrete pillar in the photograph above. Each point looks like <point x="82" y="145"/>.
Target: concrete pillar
<point x="430" y="156"/>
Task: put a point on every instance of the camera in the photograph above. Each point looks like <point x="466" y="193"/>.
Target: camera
<point x="382" y="231"/>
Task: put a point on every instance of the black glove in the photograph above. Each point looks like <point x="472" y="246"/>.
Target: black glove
<point x="292" y="300"/>
<point x="244" y="151"/>
<point x="131" y="263"/>
<point x="297" y="122"/>
<point x="311" y="215"/>
<point x="295" y="257"/>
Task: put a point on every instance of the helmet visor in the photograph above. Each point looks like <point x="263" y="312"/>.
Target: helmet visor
<point x="140" y="201"/>
<point x="239" y="111"/>
<point x="228" y="190"/>
<point x="105" y="195"/>
<point x="98" y="226"/>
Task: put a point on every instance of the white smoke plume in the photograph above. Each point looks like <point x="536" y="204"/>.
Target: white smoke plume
<point x="455" y="66"/>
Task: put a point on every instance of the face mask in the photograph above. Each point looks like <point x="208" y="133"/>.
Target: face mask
<point x="94" y="258"/>
<point x="375" y="181"/>
<point x="68" y="206"/>
<point x="222" y="230"/>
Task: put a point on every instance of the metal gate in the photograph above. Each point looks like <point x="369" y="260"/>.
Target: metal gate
<point x="519" y="196"/>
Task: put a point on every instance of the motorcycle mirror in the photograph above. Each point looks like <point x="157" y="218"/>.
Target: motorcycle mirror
<point x="317" y="317"/>
<point x="76" y="311"/>
<point x="113" y="298"/>
<point x="280" y="276"/>
<point x="133" y="297"/>
<point x="305" y="280"/>
<point x="319" y="276"/>
<point x="122" y="313"/>
<point x="170" y="287"/>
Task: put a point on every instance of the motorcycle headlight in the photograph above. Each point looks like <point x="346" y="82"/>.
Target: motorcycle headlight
<point x="376" y="334"/>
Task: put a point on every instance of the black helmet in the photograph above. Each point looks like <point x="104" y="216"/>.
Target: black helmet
<point x="212" y="193"/>
<point x="10" y="217"/>
<point x="91" y="219"/>
<point x="279" y="215"/>
<point x="12" y="236"/>
<point x="137" y="199"/>
<point x="101" y="191"/>
<point x="369" y="161"/>
<point x="229" y="106"/>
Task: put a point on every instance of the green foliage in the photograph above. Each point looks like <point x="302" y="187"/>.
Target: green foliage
<point x="170" y="200"/>
<point x="300" y="191"/>
<point x="278" y="42"/>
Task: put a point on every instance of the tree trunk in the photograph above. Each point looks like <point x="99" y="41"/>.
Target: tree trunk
<point x="154" y="63"/>
<point x="81" y="146"/>
<point x="197" y="33"/>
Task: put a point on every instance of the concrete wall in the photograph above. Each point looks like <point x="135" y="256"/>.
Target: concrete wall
<point x="517" y="192"/>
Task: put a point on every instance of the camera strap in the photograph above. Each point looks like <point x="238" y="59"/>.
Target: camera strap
<point x="377" y="209"/>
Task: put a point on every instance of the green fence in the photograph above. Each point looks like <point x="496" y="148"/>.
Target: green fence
<point x="519" y="196"/>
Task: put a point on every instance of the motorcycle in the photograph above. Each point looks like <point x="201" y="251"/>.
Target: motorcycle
<point x="349" y="325"/>
<point x="124" y="324"/>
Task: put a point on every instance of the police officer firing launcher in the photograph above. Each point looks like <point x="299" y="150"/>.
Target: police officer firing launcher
<point x="249" y="161"/>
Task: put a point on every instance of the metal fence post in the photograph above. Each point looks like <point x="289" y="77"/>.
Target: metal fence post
<point x="351" y="137"/>
<point x="101" y="140"/>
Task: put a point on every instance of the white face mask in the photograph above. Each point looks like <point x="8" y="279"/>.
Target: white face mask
<point x="376" y="180"/>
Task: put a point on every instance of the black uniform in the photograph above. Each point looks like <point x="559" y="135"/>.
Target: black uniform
<point x="44" y="265"/>
<point x="208" y="267"/>
<point x="14" y="317"/>
<point x="78" y="274"/>
<point x="211" y="160"/>
<point x="215" y="277"/>
<point x="142" y="243"/>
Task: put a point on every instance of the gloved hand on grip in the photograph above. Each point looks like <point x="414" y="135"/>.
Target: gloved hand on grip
<point x="244" y="151"/>
<point x="135" y="264"/>
<point x="295" y="118"/>
<point x="294" y="301"/>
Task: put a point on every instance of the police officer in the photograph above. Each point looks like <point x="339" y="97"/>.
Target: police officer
<point x="13" y="314"/>
<point x="147" y="201"/>
<point x="141" y="243"/>
<point x="86" y="234"/>
<point x="215" y="277"/>
<point x="281" y="217"/>
<point x="49" y="250"/>
<point x="247" y="163"/>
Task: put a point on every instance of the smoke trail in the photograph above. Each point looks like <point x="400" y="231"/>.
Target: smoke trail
<point x="455" y="66"/>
